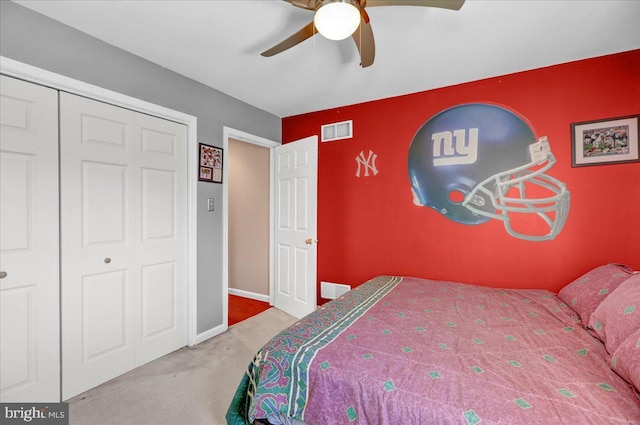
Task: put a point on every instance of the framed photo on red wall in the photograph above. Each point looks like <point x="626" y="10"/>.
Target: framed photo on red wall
<point x="606" y="141"/>
<point x="210" y="164"/>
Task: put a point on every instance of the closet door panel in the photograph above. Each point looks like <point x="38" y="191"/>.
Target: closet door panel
<point x="162" y="238"/>
<point x="123" y="238"/>
<point x="104" y="203"/>
<point x="158" y="204"/>
<point x="158" y="299"/>
<point x="29" y="288"/>
<point x="99" y="297"/>
<point x="17" y="186"/>
<point x="104" y="315"/>
<point x="18" y="330"/>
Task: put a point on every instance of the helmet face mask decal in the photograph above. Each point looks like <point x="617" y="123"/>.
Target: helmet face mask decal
<point x="552" y="209"/>
<point x="477" y="162"/>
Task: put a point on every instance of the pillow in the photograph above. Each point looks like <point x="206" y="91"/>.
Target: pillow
<point x="618" y="316"/>
<point x="584" y="294"/>
<point x="626" y="360"/>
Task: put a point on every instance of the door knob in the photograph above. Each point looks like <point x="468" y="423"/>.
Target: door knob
<point x="3" y="275"/>
<point x="107" y="260"/>
<point x="310" y="241"/>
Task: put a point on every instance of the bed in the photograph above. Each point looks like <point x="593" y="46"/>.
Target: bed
<point x="403" y="350"/>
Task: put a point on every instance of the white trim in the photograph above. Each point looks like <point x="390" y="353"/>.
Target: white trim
<point x="272" y="224"/>
<point x="231" y="133"/>
<point x="201" y="337"/>
<point x="248" y="294"/>
<point x="43" y="77"/>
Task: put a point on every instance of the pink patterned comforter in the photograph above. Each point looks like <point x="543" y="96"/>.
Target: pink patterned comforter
<point x="433" y="352"/>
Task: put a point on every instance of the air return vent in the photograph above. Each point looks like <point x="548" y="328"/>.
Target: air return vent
<point x="332" y="291"/>
<point x="337" y="131"/>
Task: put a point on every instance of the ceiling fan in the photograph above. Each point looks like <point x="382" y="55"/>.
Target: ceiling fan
<point x="339" y="19"/>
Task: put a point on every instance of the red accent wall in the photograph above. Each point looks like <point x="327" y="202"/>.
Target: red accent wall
<point x="369" y="226"/>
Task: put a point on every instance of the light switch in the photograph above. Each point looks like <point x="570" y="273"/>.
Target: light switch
<point x="211" y="206"/>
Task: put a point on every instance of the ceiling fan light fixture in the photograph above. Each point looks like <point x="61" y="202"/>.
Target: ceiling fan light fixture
<point x="337" y="19"/>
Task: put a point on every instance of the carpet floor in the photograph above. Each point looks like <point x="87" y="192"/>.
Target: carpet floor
<point x="193" y="385"/>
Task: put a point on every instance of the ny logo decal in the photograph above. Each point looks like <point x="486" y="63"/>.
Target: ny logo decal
<point x="453" y="148"/>
<point x="369" y="163"/>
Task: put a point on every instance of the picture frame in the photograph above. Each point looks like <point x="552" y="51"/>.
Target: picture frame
<point x="605" y="141"/>
<point x="210" y="163"/>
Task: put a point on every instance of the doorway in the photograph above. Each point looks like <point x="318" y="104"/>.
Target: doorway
<point x="247" y="217"/>
<point x="293" y="170"/>
<point x="248" y="228"/>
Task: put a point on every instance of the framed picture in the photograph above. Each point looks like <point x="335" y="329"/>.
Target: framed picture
<point x="210" y="164"/>
<point x="608" y="141"/>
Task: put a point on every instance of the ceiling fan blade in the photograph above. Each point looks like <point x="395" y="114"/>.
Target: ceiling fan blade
<point x="307" y="32"/>
<point x="444" y="4"/>
<point x="365" y="42"/>
<point x="304" y="4"/>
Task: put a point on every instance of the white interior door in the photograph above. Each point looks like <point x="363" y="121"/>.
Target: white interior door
<point x="123" y="239"/>
<point x="29" y="287"/>
<point x="296" y="177"/>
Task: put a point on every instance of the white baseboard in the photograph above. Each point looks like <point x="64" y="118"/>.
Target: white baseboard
<point x="201" y="337"/>
<point x="247" y="294"/>
<point x="210" y="333"/>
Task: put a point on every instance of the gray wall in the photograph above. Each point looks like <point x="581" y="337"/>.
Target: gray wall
<point x="36" y="40"/>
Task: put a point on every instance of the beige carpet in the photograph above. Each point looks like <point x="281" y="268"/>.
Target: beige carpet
<point x="190" y="386"/>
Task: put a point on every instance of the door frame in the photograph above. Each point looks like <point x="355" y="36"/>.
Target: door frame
<point x="232" y="133"/>
<point x="13" y="68"/>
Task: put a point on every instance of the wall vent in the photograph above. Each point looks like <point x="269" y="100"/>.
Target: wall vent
<point x="336" y="131"/>
<point x="332" y="291"/>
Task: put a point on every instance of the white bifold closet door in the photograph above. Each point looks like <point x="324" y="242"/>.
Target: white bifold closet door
<point x="123" y="240"/>
<point x="29" y="283"/>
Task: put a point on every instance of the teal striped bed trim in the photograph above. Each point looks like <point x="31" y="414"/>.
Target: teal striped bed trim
<point x="307" y="352"/>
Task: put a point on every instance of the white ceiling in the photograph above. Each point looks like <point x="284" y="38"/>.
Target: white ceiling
<point x="218" y="43"/>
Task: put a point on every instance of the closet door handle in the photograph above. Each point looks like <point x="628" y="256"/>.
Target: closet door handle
<point x="3" y="275"/>
<point x="107" y="260"/>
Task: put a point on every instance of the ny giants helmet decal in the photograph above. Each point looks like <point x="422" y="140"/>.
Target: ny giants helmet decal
<point x="474" y="162"/>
